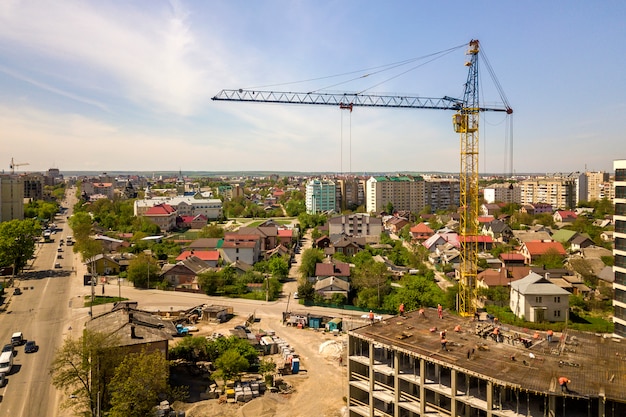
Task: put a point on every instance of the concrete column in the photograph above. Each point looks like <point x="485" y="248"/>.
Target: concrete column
<point x="422" y="389"/>
<point x="601" y="406"/>
<point x="551" y="406"/>
<point x="453" y="411"/>
<point x="438" y="379"/>
<point x="371" y="393"/>
<point x="396" y="384"/>
<point x="489" y="398"/>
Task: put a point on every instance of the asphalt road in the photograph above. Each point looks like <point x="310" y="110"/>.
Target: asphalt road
<point x="40" y="313"/>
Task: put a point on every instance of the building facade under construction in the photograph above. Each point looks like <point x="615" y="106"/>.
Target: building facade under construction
<point x="421" y="364"/>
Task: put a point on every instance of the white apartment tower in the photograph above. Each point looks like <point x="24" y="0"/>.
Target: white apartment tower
<point x="619" y="251"/>
<point x="403" y="192"/>
<point x="320" y="196"/>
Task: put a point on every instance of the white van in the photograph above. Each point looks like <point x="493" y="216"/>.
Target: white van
<point x="17" y="339"/>
<point x="6" y="362"/>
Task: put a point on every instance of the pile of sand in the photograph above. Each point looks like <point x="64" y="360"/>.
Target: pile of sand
<point x="331" y="349"/>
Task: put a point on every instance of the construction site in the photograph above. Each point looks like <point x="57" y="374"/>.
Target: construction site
<point x="422" y="365"/>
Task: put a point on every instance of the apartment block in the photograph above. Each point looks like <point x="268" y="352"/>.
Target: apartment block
<point x="11" y="198"/>
<point x="357" y="224"/>
<point x="595" y="185"/>
<point x="442" y="193"/>
<point x="403" y="192"/>
<point x="505" y="193"/>
<point x="561" y="192"/>
<point x="350" y="193"/>
<point x="619" y="250"/>
<point x="320" y="196"/>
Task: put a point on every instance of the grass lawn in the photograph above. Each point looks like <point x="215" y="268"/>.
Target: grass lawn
<point x="102" y="299"/>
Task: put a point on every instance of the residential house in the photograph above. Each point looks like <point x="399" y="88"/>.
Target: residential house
<point x="322" y="242"/>
<point x="346" y="245"/>
<point x="512" y="259"/>
<point x="134" y="330"/>
<point x="533" y="250"/>
<point x="339" y="270"/>
<point x="499" y="231"/>
<point x="565" y="236"/>
<point x="357" y="224"/>
<point x="211" y="257"/>
<point x="581" y="241"/>
<point x="536" y="299"/>
<point x="163" y="215"/>
<point x="286" y="237"/>
<point x="490" y="209"/>
<point x="103" y="264"/>
<point x="484" y="243"/>
<point x="536" y="208"/>
<point x="564" y="216"/>
<point x="192" y="222"/>
<point x="241" y="247"/>
<point x="421" y="232"/>
<point x="268" y="235"/>
<point x="330" y="286"/>
<point x="395" y="224"/>
<point x="441" y="238"/>
<point x="184" y="274"/>
<point x="532" y="236"/>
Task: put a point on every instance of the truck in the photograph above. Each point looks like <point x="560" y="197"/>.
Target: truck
<point x="181" y="330"/>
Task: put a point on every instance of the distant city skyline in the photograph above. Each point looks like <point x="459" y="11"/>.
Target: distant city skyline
<point x="127" y="86"/>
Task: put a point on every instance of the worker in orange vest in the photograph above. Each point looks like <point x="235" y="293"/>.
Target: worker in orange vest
<point x="401" y="308"/>
<point x="371" y="316"/>
<point x="549" y="335"/>
<point x="563" y="381"/>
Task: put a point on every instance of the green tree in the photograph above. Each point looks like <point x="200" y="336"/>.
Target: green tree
<point x="415" y="291"/>
<point x="143" y="271"/>
<point x="371" y="276"/>
<point x="81" y="223"/>
<point x="79" y="368"/>
<point x="230" y="365"/>
<point x="17" y="242"/>
<point x="278" y="266"/>
<point x="212" y="230"/>
<point x="138" y="382"/>
<point x="310" y="258"/>
<point x="550" y="259"/>
<point x="194" y="348"/>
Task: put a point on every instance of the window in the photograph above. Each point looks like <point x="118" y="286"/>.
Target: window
<point x="557" y="300"/>
<point x="557" y="313"/>
<point x="538" y="299"/>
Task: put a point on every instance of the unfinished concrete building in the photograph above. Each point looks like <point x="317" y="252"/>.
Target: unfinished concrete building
<point x="400" y="367"/>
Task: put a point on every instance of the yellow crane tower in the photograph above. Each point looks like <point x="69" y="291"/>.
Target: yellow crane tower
<point x="465" y="122"/>
<point x="14" y="165"/>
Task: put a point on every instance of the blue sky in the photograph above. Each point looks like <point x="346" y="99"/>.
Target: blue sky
<point x="127" y="85"/>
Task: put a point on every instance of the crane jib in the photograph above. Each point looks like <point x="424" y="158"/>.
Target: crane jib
<point x="347" y="99"/>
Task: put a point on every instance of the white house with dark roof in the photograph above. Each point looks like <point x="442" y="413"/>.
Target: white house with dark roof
<point x="536" y="299"/>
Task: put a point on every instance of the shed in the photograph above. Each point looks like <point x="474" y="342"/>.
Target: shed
<point x="315" y="322"/>
<point x="334" y="324"/>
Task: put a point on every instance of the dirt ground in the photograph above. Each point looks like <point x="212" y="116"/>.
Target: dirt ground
<point x="318" y="389"/>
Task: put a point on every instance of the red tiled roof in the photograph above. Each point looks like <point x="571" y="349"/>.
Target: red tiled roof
<point x="160" y="210"/>
<point x="479" y="239"/>
<point x="285" y="233"/>
<point x="421" y="228"/>
<point x="205" y="255"/>
<point x="485" y="219"/>
<point x="539" y="248"/>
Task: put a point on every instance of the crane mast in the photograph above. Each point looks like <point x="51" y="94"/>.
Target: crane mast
<point x="465" y="122"/>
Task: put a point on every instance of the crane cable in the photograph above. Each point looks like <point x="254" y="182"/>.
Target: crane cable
<point x="369" y="72"/>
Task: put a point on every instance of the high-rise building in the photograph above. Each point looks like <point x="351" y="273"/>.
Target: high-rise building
<point x="442" y="193"/>
<point x="503" y="193"/>
<point x="320" y="196"/>
<point x="595" y="185"/>
<point x="403" y="192"/>
<point x="561" y="192"/>
<point x="350" y="193"/>
<point x="11" y="198"/>
<point x="619" y="251"/>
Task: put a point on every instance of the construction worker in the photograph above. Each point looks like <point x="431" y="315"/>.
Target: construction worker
<point x="401" y="308"/>
<point x="440" y="311"/>
<point x="422" y="313"/>
<point x="563" y="381"/>
<point x="444" y="342"/>
<point x="549" y="335"/>
<point x="371" y="317"/>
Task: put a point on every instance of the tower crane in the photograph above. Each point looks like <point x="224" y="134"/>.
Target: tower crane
<point x="14" y="165"/>
<point x="465" y="122"/>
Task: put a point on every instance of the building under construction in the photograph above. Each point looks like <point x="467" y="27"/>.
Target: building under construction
<point x="405" y="367"/>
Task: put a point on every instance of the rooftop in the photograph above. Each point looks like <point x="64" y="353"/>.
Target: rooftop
<point x="595" y="364"/>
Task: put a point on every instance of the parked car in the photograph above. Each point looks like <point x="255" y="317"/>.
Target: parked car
<point x="8" y="348"/>
<point x="57" y="265"/>
<point x="17" y="291"/>
<point x="17" y="339"/>
<point x="31" y="347"/>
